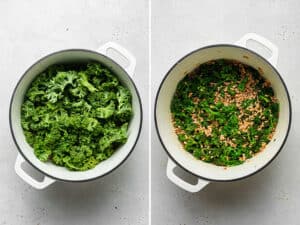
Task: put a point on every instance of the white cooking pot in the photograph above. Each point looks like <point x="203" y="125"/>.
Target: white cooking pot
<point x="207" y="172"/>
<point x="51" y="171"/>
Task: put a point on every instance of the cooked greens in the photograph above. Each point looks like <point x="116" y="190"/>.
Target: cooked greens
<point x="224" y="112"/>
<point x="76" y="115"/>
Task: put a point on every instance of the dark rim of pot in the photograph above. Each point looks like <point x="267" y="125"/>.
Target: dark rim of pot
<point x="213" y="46"/>
<point x="71" y="50"/>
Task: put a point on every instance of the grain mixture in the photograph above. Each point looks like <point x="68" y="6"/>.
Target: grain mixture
<point x="224" y="112"/>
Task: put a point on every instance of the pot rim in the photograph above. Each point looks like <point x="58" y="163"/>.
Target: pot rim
<point x="17" y="86"/>
<point x="168" y="73"/>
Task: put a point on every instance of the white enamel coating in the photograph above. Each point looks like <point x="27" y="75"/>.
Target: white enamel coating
<point x="180" y="182"/>
<point x="268" y="44"/>
<point x="29" y="179"/>
<point x="69" y="56"/>
<point x="166" y="129"/>
<point x="124" y="52"/>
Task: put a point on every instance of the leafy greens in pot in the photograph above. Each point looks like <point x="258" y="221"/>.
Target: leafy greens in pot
<point x="76" y="115"/>
<point x="224" y="112"/>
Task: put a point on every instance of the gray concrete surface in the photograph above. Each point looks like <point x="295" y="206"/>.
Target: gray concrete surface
<point x="273" y="195"/>
<point x="32" y="29"/>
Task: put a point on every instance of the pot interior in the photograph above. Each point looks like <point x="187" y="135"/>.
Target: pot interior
<point x="165" y="126"/>
<point x="73" y="56"/>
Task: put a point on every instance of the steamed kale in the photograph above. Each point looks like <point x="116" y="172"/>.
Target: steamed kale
<point x="224" y="112"/>
<point x="76" y="115"/>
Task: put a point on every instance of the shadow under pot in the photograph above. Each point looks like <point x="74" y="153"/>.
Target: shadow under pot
<point x="51" y="171"/>
<point x="207" y="172"/>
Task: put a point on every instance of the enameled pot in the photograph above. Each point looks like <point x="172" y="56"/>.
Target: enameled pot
<point x="207" y="172"/>
<point x="51" y="171"/>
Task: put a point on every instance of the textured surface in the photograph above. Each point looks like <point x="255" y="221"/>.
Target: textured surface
<point x="32" y="29"/>
<point x="270" y="197"/>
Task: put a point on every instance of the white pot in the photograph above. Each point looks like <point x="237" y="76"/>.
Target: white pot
<point x="207" y="172"/>
<point x="51" y="171"/>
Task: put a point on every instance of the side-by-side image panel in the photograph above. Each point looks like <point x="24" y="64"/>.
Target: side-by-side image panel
<point x="74" y="116"/>
<point x="222" y="95"/>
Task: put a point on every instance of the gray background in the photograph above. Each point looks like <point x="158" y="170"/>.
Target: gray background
<point x="273" y="195"/>
<point x="32" y="29"/>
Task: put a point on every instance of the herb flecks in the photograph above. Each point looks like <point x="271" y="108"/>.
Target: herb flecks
<point x="224" y="112"/>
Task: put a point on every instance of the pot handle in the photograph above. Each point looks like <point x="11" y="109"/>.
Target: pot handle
<point x="28" y="179"/>
<point x="268" y="44"/>
<point x="181" y="183"/>
<point x="124" y="52"/>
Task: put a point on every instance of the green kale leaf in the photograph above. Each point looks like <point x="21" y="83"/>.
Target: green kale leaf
<point x="76" y="115"/>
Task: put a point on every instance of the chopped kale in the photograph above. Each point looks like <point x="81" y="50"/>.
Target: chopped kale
<point x="224" y="112"/>
<point x="76" y="115"/>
